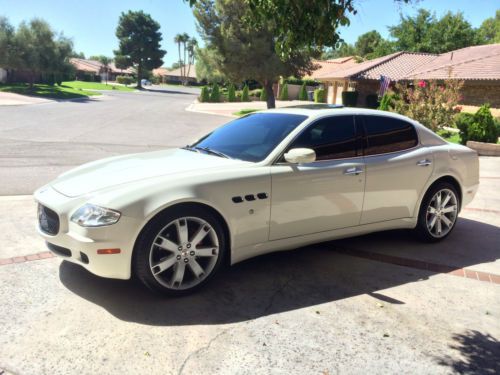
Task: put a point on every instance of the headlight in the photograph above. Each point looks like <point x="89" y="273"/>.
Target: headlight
<point x="90" y="215"/>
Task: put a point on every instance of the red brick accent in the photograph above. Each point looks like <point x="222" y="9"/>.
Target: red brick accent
<point x="422" y="265"/>
<point x="6" y="261"/>
<point x="481" y="210"/>
<point x="19" y="259"/>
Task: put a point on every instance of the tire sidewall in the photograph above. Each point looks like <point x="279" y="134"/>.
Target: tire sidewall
<point x="145" y="240"/>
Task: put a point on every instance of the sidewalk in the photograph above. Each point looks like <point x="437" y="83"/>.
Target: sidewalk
<point x="9" y="98"/>
<point x="227" y="109"/>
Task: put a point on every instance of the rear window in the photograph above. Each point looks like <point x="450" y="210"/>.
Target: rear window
<point x="386" y="134"/>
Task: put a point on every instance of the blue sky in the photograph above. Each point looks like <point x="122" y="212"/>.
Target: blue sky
<point x="92" y="23"/>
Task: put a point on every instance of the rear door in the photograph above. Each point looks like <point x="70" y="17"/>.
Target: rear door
<point x="397" y="168"/>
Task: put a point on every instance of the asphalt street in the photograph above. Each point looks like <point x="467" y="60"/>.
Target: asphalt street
<point x="40" y="141"/>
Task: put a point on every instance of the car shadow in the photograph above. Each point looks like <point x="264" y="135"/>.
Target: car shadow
<point x="279" y="282"/>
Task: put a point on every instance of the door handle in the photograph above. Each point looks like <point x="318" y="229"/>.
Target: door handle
<point x="424" y="163"/>
<point x="353" y="170"/>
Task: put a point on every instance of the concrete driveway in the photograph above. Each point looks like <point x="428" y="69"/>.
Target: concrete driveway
<point x="382" y="303"/>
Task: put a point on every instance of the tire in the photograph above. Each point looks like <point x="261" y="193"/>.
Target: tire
<point x="179" y="251"/>
<point x="435" y="224"/>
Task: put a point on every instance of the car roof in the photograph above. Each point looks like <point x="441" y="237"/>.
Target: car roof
<point x="320" y="110"/>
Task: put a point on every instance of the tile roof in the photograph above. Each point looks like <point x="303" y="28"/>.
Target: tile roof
<point x="396" y="66"/>
<point x="477" y="62"/>
<point x="330" y="66"/>
<point x="175" y="72"/>
<point x="94" y="66"/>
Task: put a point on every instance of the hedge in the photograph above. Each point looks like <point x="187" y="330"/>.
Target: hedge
<point x="320" y="96"/>
<point x="349" y="98"/>
<point x="244" y="94"/>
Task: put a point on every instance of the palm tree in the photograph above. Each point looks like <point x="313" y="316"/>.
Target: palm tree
<point x="105" y="61"/>
<point x="182" y="39"/>
<point x="192" y="44"/>
<point x="178" y="39"/>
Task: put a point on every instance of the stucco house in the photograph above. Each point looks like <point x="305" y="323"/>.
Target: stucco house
<point x="96" y="68"/>
<point x="478" y="67"/>
<point x="175" y="75"/>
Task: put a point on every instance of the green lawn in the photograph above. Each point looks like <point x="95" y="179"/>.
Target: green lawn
<point x="47" y="91"/>
<point x="454" y="138"/>
<point x="245" y="111"/>
<point x="95" y="86"/>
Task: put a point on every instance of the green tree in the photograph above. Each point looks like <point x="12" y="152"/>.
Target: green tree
<point x="300" y="24"/>
<point x="6" y="43"/>
<point x="303" y="92"/>
<point x="231" y="93"/>
<point x="489" y="31"/>
<point x="426" y="33"/>
<point x="244" y="94"/>
<point x="192" y="44"/>
<point x="139" y="43"/>
<point x="182" y="40"/>
<point x="207" y="66"/>
<point x="215" y="94"/>
<point x="343" y="50"/>
<point x="367" y="43"/>
<point x="284" y="92"/>
<point x="105" y="61"/>
<point x="36" y="50"/>
<point x="243" y="52"/>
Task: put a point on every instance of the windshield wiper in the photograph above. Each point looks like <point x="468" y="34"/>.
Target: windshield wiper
<point x="190" y="148"/>
<point x="213" y="152"/>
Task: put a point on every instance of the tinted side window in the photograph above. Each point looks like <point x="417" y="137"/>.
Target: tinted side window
<point x="385" y="134"/>
<point x="332" y="138"/>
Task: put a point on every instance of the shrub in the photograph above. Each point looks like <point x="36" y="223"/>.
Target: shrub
<point x="204" y="95"/>
<point x="319" y="96"/>
<point x="244" y="94"/>
<point x="263" y="95"/>
<point x="372" y="101"/>
<point x="298" y="81"/>
<point x="387" y="101"/>
<point x="483" y="128"/>
<point x="350" y="98"/>
<point x="125" y="80"/>
<point x="432" y="104"/>
<point x="215" y="94"/>
<point x="284" y="92"/>
<point x="231" y="94"/>
<point x="463" y="121"/>
<point x="303" y="92"/>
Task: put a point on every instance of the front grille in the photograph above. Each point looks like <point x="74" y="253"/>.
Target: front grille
<point x="48" y="220"/>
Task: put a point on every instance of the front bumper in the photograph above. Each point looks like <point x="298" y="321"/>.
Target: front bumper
<point x="80" y="245"/>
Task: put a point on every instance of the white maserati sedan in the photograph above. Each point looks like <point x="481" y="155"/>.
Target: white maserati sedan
<point x="272" y="180"/>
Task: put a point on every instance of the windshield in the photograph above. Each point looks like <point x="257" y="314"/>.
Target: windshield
<point x="250" y="138"/>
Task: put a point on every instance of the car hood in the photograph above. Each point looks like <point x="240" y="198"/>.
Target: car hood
<point x="120" y="170"/>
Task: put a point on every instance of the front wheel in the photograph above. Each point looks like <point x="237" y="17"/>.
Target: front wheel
<point x="438" y="212"/>
<point x="179" y="251"/>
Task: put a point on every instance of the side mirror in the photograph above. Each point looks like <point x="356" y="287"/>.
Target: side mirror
<point x="300" y="156"/>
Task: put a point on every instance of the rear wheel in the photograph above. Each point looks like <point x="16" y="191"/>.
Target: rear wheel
<point x="438" y="213"/>
<point x="180" y="251"/>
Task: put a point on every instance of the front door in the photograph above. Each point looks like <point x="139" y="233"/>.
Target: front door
<point x="326" y="194"/>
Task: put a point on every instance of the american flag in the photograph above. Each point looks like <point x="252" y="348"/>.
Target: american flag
<point x="384" y="85"/>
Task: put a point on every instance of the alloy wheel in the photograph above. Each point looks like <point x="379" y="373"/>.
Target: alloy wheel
<point x="184" y="253"/>
<point x="442" y="213"/>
